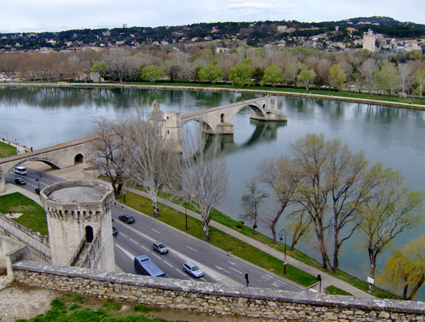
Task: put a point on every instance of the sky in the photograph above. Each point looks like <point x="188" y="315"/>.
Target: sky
<point x="60" y="15"/>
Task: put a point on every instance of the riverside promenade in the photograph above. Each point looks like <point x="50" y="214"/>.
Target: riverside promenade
<point x="81" y="172"/>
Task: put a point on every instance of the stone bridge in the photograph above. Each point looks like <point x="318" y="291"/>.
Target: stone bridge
<point x="215" y="120"/>
<point x="58" y="156"/>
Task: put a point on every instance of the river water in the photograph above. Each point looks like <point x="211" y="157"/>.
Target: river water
<point x="38" y="117"/>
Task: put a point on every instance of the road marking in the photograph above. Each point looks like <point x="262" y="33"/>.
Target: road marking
<point x="126" y="252"/>
<point x="235" y="270"/>
<point x="124" y="235"/>
<point x="266" y="277"/>
<point x="183" y="273"/>
<point x="221" y="269"/>
<point x="192" y="248"/>
<point x="203" y="279"/>
<point x="144" y="247"/>
<point x="155" y="231"/>
<point x="168" y="263"/>
<point x="156" y="256"/>
<point x="134" y="241"/>
<point x="234" y="264"/>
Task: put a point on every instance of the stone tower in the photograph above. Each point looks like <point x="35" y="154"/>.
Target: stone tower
<point x="79" y="223"/>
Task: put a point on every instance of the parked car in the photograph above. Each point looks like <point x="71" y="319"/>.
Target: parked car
<point x="192" y="269"/>
<point x="126" y="218"/>
<point x="20" y="181"/>
<point x="160" y="248"/>
<point x="114" y="231"/>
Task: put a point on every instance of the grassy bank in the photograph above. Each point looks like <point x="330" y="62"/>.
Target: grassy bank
<point x="247" y="252"/>
<point x="6" y="150"/>
<point x="33" y="215"/>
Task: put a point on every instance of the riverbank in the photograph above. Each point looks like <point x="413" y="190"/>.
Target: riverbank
<point x="349" y="97"/>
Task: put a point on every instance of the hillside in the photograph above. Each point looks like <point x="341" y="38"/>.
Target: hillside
<point x="226" y="34"/>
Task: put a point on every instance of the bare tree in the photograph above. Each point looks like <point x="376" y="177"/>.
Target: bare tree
<point x="109" y="144"/>
<point x="405" y="71"/>
<point x="282" y="176"/>
<point x="203" y="176"/>
<point x="151" y="161"/>
<point x="367" y="70"/>
<point x="252" y="200"/>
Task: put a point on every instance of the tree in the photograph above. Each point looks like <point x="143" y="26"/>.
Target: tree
<point x="388" y="210"/>
<point x="292" y="71"/>
<point x="337" y="76"/>
<point x="212" y="72"/>
<point x="273" y="75"/>
<point x="100" y="67"/>
<point x="252" y="200"/>
<point x="241" y="74"/>
<point x="420" y="79"/>
<point x="151" y="161"/>
<point x="329" y="190"/>
<point x="405" y="71"/>
<point x="109" y="143"/>
<point x="406" y="268"/>
<point x="283" y="178"/>
<point x="203" y="176"/>
<point x="152" y="73"/>
<point x="387" y="76"/>
<point x="367" y="71"/>
<point x="306" y="77"/>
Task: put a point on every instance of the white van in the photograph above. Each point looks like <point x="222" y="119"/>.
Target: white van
<point x="21" y="170"/>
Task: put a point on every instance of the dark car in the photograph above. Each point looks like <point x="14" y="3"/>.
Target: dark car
<point x="126" y="218"/>
<point x="160" y="248"/>
<point x="114" y="231"/>
<point x="20" y="181"/>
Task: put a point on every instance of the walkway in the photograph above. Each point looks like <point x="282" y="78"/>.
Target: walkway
<point x="327" y="280"/>
<point x="80" y="172"/>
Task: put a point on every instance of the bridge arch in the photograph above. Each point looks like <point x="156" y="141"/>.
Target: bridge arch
<point x="79" y="158"/>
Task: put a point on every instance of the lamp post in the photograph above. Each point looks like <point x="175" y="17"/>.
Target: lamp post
<point x="39" y="175"/>
<point x="284" y="261"/>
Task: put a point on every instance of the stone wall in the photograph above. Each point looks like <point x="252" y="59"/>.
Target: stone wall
<point x="39" y="244"/>
<point x="216" y="298"/>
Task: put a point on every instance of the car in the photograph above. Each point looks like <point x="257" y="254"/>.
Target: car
<point x="160" y="248"/>
<point x="20" y="181"/>
<point x="126" y="218"/>
<point x="192" y="269"/>
<point x="114" y="231"/>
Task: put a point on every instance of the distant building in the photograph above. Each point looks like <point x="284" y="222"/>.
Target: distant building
<point x="369" y="40"/>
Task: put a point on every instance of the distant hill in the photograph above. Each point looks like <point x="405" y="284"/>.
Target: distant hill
<point x="225" y="34"/>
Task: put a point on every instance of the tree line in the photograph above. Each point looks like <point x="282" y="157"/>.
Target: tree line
<point x="378" y="73"/>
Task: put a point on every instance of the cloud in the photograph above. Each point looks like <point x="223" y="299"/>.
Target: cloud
<point x="247" y="5"/>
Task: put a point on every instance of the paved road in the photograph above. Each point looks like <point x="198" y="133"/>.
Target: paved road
<point x="136" y="239"/>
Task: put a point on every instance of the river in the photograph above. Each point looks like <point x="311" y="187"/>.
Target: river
<point x="38" y="117"/>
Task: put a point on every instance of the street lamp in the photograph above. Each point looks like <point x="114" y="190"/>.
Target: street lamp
<point x="39" y="175"/>
<point x="284" y="261"/>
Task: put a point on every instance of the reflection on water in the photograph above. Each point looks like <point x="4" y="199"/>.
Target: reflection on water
<point x="39" y="116"/>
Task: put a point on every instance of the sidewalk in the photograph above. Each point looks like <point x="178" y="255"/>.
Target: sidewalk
<point x="19" y="148"/>
<point x="82" y="172"/>
<point x="327" y="280"/>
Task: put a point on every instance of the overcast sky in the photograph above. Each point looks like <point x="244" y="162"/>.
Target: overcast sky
<point x="58" y="15"/>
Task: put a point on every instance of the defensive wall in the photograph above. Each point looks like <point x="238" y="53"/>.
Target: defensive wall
<point x="215" y="298"/>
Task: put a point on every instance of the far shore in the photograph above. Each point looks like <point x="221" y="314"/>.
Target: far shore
<point x="181" y="87"/>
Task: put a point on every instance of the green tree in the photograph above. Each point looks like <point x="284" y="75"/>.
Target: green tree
<point x="152" y="73"/>
<point x="241" y="74"/>
<point x="388" y="210"/>
<point x="387" y="76"/>
<point x="406" y="269"/>
<point x="306" y="77"/>
<point x="100" y="67"/>
<point x="420" y="79"/>
<point x="273" y="74"/>
<point x="212" y="73"/>
<point x="337" y="76"/>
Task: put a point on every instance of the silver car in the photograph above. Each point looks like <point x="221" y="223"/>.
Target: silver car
<point x="160" y="248"/>
<point x="192" y="269"/>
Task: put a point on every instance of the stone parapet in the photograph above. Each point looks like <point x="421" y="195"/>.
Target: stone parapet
<point x="216" y="298"/>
